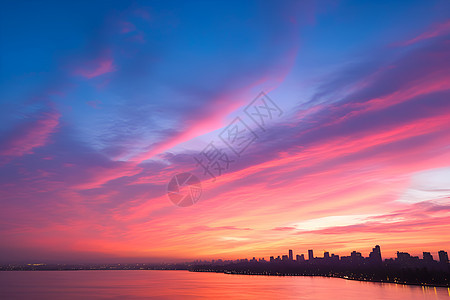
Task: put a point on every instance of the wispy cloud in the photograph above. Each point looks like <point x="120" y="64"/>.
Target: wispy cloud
<point x="30" y="135"/>
<point x="435" y="31"/>
<point x="96" y="68"/>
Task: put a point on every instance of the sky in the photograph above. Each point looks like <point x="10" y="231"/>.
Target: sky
<point x="326" y="125"/>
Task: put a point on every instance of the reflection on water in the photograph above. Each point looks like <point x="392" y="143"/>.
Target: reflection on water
<point x="189" y="285"/>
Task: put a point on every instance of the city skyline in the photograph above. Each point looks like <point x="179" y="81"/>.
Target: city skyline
<point x="290" y="255"/>
<point x="375" y="254"/>
<point x="404" y="269"/>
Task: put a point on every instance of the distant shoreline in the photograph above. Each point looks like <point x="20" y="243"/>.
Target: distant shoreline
<point x="341" y="277"/>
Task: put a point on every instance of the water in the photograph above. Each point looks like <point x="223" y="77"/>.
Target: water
<point x="189" y="285"/>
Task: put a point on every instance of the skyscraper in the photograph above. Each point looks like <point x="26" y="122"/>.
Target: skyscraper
<point x="427" y="257"/>
<point x="443" y="257"/>
<point x="375" y="255"/>
<point x="291" y="255"/>
<point x="310" y="255"/>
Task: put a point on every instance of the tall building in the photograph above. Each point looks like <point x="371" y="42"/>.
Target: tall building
<point x="443" y="257"/>
<point x="291" y="255"/>
<point x="301" y="257"/>
<point x="326" y="254"/>
<point x="427" y="257"/>
<point x="375" y="255"/>
<point x="403" y="257"/>
<point x="355" y="255"/>
<point x="310" y="255"/>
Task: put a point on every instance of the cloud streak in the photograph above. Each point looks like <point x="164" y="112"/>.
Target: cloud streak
<point x="28" y="136"/>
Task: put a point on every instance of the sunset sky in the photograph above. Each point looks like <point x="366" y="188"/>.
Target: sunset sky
<point x="103" y="102"/>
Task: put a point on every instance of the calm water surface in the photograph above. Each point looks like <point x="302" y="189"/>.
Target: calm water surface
<point x="188" y="285"/>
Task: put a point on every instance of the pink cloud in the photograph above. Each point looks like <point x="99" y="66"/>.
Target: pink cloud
<point x="427" y="85"/>
<point x="97" y="68"/>
<point x="437" y="30"/>
<point x="194" y="128"/>
<point x="213" y="116"/>
<point x="97" y="176"/>
<point x="30" y="136"/>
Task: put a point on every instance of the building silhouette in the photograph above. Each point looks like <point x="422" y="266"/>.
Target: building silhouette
<point x="300" y="258"/>
<point x="427" y="257"/>
<point x="375" y="255"/>
<point x="443" y="257"/>
<point x="310" y="255"/>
